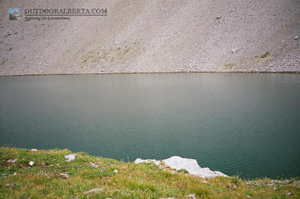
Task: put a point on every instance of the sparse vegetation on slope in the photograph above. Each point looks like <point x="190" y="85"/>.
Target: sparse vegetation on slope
<point x="51" y="176"/>
<point x="154" y="37"/>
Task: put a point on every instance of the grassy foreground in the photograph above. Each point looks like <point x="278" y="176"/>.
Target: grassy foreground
<point x="118" y="179"/>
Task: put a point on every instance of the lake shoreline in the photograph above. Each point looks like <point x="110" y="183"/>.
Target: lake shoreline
<point x="141" y="73"/>
<point x="59" y="176"/>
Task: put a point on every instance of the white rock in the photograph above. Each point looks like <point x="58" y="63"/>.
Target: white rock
<point x="96" y="190"/>
<point x="192" y="196"/>
<point x="63" y="175"/>
<point x="220" y="173"/>
<point x="289" y="193"/>
<point x="190" y="165"/>
<point x="31" y="163"/>
<point x="94" y="165"/>
<point x="33" y="149"/>
<point x="234" y="50"/>
<point x="12" y="161"/>
<point x="116" y="171"/>
<point x="296" y="38"/>
<point x="15" y="174"/>
<point x="70" y="157"/>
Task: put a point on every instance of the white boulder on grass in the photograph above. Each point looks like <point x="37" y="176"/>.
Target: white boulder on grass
<point x="94" y="165"/>
<point x="12" y="161"/>
<point x="92" y="191"/>
<point x="63" y="175"/>
<point x="31" y="163"/>
<point x="191" y="165"/>
<point x="70" y="157"/>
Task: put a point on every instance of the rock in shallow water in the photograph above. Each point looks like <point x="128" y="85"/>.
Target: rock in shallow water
<point x="191" y="165"/>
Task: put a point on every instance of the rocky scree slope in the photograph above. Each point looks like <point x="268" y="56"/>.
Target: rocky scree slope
<point x="153" y="36"/>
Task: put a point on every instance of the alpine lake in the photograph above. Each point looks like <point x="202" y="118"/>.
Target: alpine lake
<point x="237" y="123"/>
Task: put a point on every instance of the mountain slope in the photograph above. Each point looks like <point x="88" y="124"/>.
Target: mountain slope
<point x="154" y="36"/>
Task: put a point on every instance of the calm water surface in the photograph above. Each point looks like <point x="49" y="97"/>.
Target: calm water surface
<point x="245" y="124"/>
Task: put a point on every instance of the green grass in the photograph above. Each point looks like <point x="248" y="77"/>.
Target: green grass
<point x="183" y="171"/>
<point x="43" y="180"/>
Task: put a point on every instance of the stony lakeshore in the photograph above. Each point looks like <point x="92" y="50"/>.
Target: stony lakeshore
<point x="56" y="173"/>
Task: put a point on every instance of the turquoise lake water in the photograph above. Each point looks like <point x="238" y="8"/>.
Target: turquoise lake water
<point x="245" y="124"/>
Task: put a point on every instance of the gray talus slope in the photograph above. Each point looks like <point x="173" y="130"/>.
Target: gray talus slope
<point x="154" y="36"/>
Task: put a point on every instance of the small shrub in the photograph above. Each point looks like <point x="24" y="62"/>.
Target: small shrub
<point x="182" y="171"/>
<point x="235" y="180"/>
<point x="71" y="191"/>
<point x="265" y="54"/>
